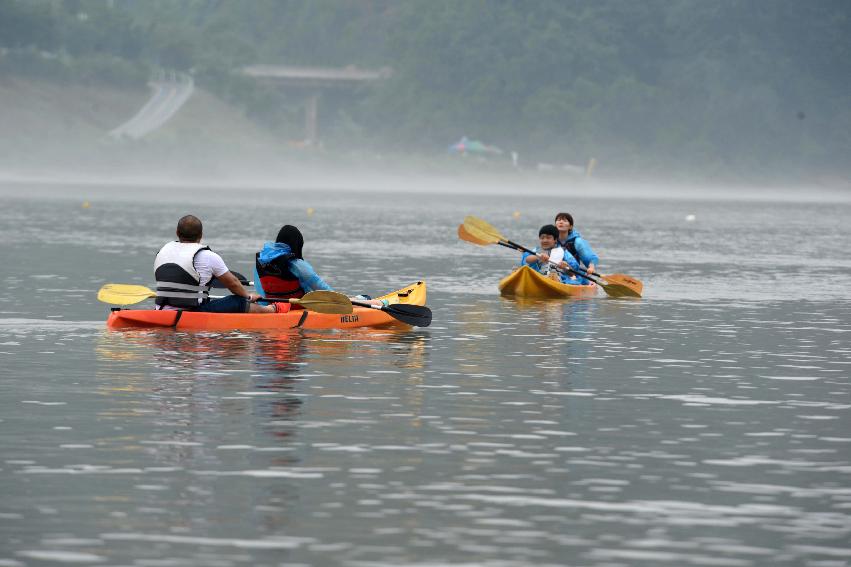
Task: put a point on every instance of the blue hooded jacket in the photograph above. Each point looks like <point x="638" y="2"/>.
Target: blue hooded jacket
<point x="308" y="279"/>
<point x="584" y="253"/>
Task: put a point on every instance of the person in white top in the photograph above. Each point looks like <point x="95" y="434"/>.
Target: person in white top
<point x="185" y="268"/>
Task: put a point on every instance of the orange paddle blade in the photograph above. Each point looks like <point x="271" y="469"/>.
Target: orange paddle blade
<point x="622" y="285"/>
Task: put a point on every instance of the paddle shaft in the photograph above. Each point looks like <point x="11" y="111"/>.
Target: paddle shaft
<point x="266" y="299"/>
<point x="370" y="305"/>
<point x="322" y="301"/>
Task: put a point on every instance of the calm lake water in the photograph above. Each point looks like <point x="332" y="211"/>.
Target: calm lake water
<point x="705" y="424"/>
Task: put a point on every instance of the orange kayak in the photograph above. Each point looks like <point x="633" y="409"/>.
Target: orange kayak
<point x="526" y="282"/>
<point x="414" y="294"/>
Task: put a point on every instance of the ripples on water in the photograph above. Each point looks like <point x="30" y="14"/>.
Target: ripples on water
<point x="706" y="424"/>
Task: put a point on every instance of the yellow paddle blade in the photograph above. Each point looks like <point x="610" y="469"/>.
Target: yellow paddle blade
<point x="481" y="228"/>
<point x="485" y="236"/>
<point x="323" y="301"/>
<point x="623" y="285"/>
<point x="464" y="235"/>
<point x="124" y="294"/>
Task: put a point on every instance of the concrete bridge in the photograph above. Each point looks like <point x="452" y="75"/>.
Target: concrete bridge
<point x="312" y="81"/>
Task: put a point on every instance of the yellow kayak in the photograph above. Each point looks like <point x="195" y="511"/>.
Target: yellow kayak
<point x="526" y="282"/>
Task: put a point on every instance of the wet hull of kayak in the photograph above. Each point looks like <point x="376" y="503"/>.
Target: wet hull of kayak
<point x="414" y="294"/>
<point x="526" y="282"/>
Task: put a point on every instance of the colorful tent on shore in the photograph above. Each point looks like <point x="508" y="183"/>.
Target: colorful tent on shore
<point x="468" y="146"/>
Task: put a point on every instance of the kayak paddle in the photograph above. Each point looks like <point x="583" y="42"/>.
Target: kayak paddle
<point x="320" y="301"/>
<point x="416" y="315"/>
<point x="483" y="233"/>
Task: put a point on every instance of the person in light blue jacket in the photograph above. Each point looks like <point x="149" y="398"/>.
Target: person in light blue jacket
<point x="281" y="272"/>
<point x="573" y="243"/>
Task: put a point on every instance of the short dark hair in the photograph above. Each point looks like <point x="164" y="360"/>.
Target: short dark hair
<point x="189" y="228"/>
<point x="567" y="216"/>
<point x="549" y="229"/>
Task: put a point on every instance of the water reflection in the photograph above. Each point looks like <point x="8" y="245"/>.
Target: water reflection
<point x="207" y="389"/>
<point x="196" y="380"/>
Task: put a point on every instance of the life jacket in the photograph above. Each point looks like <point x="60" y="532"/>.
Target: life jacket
<point x="178" y="282"/>
<point x="569" y="244"/>
<point x="276" y="278"/>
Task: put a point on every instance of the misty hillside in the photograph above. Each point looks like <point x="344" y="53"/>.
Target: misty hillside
<point x="60" y="125"/>
<point x="661" y="87"/>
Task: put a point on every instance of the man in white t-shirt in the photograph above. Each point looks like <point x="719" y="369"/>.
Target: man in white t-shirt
<point x="185" y="268"/>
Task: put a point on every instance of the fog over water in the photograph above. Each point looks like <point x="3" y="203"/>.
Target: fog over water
<point x="515" y="186"/>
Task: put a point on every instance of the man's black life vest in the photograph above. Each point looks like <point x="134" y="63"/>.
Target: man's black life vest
<point x="178" y="281"/>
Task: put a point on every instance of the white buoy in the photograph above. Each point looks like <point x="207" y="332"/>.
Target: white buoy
<point x="691" y="218"/>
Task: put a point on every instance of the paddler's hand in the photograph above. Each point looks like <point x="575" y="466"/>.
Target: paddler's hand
<point x="590" y="269"/>
<point x="254" y="297"/>
<point x="562" y="265"/>
<point x="543" y="257"/>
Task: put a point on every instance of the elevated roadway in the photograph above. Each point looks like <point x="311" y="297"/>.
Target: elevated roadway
<point x="311" y="81"/>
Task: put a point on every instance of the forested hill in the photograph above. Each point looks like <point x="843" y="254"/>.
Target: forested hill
<point x="737" y="87"/>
